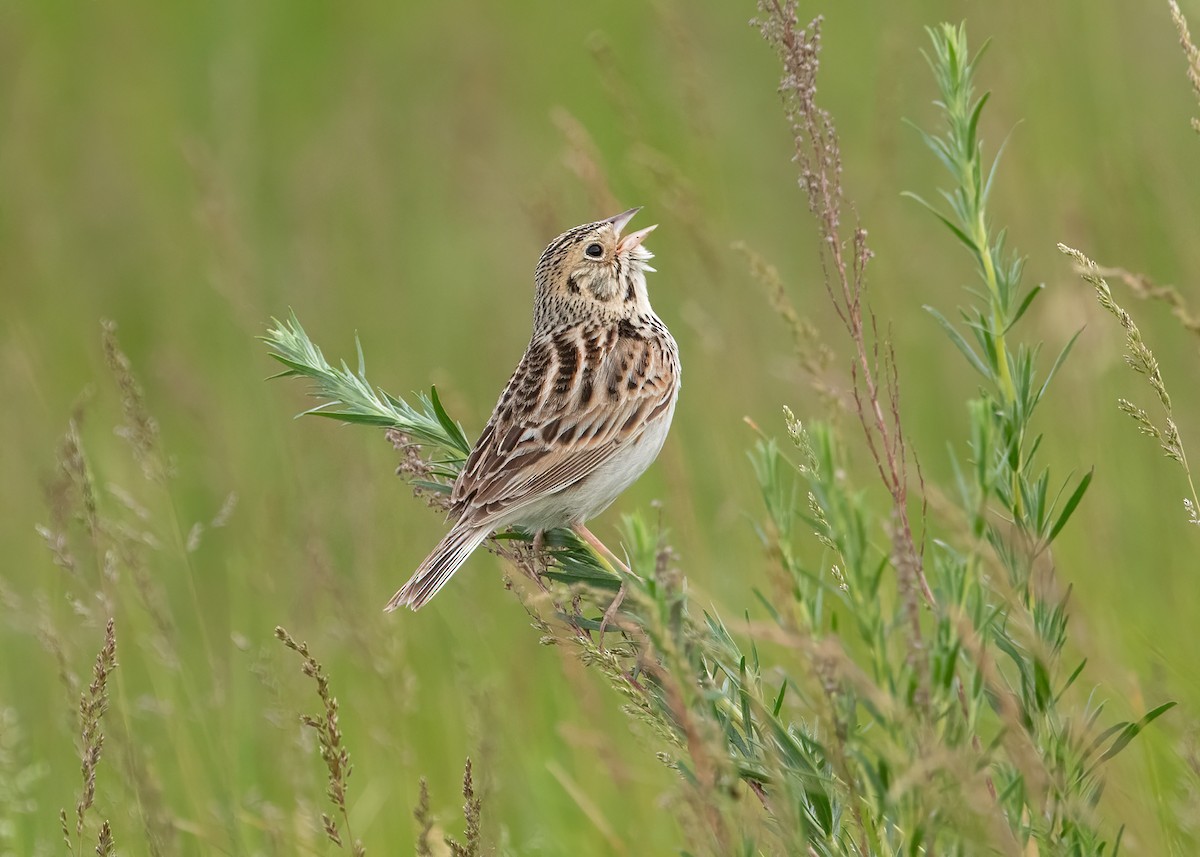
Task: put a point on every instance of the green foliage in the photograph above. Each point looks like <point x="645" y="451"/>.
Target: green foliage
<point x="777" y="686"/>
<point x="347" y="396"/>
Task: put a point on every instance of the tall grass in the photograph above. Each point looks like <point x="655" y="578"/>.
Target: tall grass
<point x="897" y="672"/>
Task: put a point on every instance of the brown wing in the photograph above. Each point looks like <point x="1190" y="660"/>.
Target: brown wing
<point x="576" y="397"/>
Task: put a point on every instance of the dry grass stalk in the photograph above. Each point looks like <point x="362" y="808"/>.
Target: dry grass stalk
<point x="582" y="157"/>
<point x="616" y="87"/>
<point x="1141" y="360"/>
<point x="140" y="429"/>
<point x="472" y="846"/>
<point x="424" y="821"/>
<point x="1190" y="52"/>
<point x="93" y="703"/>
<point x="71" y="495"/>
<point x="844" y="265"/>
<point x="472" y="808"/>
<point x="333" y="752"/>
<point x="416" y="470"/>
<point x="816" y="358"/>
<point x="105" y="847"/>
<point x="1143" y="287"/>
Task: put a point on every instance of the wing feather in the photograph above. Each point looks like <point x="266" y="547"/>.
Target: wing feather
<point x="577" y="397"/>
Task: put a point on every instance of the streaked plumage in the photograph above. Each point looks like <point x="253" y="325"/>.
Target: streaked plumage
<point x="585" y="412"/>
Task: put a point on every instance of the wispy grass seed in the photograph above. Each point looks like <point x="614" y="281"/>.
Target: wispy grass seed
<point x="333" y="751"/>
<point x="140" y="428"/>
<point x="472" y="844"/>
<point x="93" y="703"/>
<point x="424" y="819"/>
<point x="1141" y="359"/>
<point x="1191" y="53"/>
<point x="472" y="808"/>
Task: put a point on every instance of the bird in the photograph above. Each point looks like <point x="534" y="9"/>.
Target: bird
<point x="585" y="412"/>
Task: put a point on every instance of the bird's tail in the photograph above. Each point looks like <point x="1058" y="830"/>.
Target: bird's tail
<point x="438" y="567"/>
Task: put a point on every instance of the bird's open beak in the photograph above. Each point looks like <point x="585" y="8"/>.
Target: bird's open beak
<point x="634" y="239"/>
<point x="620" y="221"/>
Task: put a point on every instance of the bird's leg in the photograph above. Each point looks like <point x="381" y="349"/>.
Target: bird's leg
<point x="611" y="613"/>
<point x="539" y="547"/>
<point x="599" y="546"/>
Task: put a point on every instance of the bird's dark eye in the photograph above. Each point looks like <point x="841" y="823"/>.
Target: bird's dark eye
<point x="595" y="251"/>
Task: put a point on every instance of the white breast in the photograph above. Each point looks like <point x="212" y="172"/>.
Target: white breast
<point x="595" y="492"/>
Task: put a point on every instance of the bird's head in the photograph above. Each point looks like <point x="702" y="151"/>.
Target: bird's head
<point x="594" y="270"/>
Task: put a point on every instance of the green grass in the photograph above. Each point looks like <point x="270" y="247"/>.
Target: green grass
<point x="190" y="171"/>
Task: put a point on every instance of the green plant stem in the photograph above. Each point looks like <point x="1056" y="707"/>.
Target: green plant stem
<point x="1004" y="377"/>
<point x="989" y="270"/>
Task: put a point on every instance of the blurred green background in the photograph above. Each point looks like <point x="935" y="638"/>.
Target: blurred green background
<point x="189" y="170"/>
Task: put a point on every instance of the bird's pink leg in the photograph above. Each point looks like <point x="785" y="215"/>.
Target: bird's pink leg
<point x="599" y="546"/>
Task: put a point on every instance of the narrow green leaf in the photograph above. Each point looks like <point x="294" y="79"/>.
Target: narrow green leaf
<point x="1071" y="679"/>
<point x="442" y="488"/>
<point x="513" y="536"/>
<point x="596" y="579"/>
<point x="987" y="185"/>
<point x="1131" y="730"/>
<point x="1025" y="302"/>
<point x="287" y="373"/>
<point x="973" y="125"/>
<point x="958" y="233"/>
<point x="987" y="43"/>
<point x="348" y="417"/>
<point x="1062" y="355"/>
<point x="936" y="144"/>
<point x="1102" y="737"/>
<point x="1042" y="692"/>
<point x="453" y="430"/>
<point x="744" y="698"/>
<point x="960" y="343"/>
<point x="771" y="609"/>
<point x="1071" y="503"/>
<point x="778" y="706"/>
<point x="362" y="359"/>
<point x="294" y="368"/>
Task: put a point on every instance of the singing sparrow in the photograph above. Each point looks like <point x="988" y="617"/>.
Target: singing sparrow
<point x="585" y="412"/>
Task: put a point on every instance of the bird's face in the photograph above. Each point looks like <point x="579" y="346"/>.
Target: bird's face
<point x="595" y="270"/>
